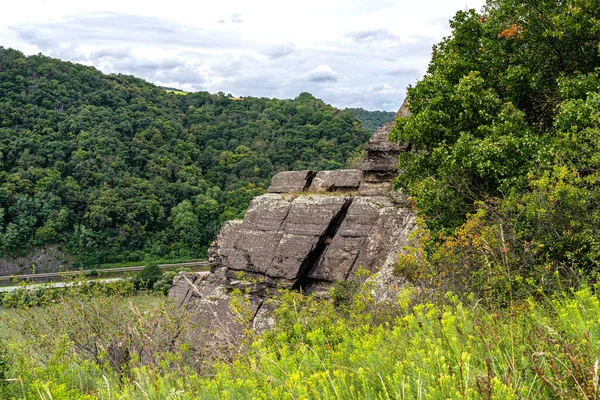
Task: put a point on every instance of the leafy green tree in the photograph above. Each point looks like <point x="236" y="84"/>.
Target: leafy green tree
<point x="504" y="134"/>
<point x="482" y="116"/>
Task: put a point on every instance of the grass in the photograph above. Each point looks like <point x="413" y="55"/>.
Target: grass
<point x="143" y="302"/>
<point x="5" y="315"/>
<point x="408" y="350"/>
<point x="146" y="262"/>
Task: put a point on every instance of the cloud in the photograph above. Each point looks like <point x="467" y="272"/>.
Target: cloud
<point x="112" y="28"/>
<point x="182" y="75"/>
<point x="371" y="35"/>
<point x="111" y="52"/>
<point x="280" y="51"/>
<point x="363" y="54"/>
<point x="383" y="88"/>
<point x="406" y="71"/>
<point x="322" y="73"/>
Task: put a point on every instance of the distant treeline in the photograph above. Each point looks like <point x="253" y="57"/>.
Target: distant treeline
<point x="117" y="169"/>
<point x="372" y="120"/>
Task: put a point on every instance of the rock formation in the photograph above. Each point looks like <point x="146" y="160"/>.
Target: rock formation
<point x="311" y="229"/>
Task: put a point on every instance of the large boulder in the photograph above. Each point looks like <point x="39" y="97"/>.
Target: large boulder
<point x="310" y="230"/>
<point x="279" y="235"/>
<point x="290" y="181"/>
<point x="344" y="180"/>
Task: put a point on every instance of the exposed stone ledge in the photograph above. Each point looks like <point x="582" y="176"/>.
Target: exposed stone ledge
<point x="310" y="230"/>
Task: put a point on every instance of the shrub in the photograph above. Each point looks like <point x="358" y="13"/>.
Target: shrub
<point x="147" y="277"/>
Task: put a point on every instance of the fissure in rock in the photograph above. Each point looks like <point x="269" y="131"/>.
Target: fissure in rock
<point x="315" y="254"/>
<point x="309" y="178"/>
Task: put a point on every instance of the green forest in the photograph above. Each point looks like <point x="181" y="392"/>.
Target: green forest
<point x="117" y="169"/>
<point x="372" y="120"/>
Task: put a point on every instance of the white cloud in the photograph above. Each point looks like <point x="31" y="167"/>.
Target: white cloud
<point x="322" y="73"/>
<point x="347" y="52"/>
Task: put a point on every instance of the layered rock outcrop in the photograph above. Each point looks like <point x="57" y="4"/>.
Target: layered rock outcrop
<point x="310" y="239"/>
<point x="311" y="229"/>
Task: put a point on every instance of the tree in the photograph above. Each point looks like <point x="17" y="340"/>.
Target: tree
<point x="147" y="277"/>
<point x="482" y="116"/>
<point x="505" y="131"/>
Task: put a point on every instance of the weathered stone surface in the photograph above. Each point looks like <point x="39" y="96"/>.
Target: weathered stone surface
<point x="223" y="247"/>
<point x="336" y="181"/>
<point x="381" y="158"/>
<point x="380" y="142"/>
<point x="340" y="258"/>
<point x="291" y="253"/>
<point x="385" y="237"/>
<point x="301" y="239"/>
<point x="304" y="235"/>
<point x="403" y="111"/>
<point x="374" y="188"/>
<point x="254" y="251"/>
<point x="290" y="182"/>
<point x="205" y="296"/>
<point x="267" y="212"/>
<point x="311" y="214"/>
<point x="39" y="260"/>
<point x="277" y="235"/>
<point x="362" y="214"/>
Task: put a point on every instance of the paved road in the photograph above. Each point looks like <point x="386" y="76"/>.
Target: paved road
<point x="100" y="271"/>
<point x="53" y="284"/>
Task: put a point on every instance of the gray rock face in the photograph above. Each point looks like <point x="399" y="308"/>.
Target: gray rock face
<point x="345" y="180"/>
<point x="40" y="260"/>
<point x="380" y="163"/>
<point x="314" y="228"/>
<point x="403" y="111"/>
<point x="290" y="181"/>
<point x="278" y="235"/>
<point x="310" y="230"/>
<point x="207" y="298"/>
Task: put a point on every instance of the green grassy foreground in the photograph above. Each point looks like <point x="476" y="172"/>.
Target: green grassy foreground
<point x="349" y="349"/>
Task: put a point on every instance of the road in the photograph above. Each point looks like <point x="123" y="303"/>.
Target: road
<point x="53" y="284"/>
<point x="100" y="271"/>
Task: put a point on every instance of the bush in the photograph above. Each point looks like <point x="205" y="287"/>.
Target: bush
<point x="163" y="285"/>
<point x="505" y="136"/>
<point x="147" y="277"/>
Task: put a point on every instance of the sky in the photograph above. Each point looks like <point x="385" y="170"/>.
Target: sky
<point x="350" y="53"/>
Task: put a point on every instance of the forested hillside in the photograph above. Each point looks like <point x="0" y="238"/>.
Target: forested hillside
<point x="372" y="120"/>
<point x="118" y="169"/>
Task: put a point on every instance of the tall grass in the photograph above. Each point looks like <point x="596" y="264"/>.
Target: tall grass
<point x="360" y="350"/>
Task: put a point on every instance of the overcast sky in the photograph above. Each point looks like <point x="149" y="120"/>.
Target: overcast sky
<point x="350" y="53"/>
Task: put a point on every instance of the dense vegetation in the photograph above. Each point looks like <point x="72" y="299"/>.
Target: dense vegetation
<point x="505" y="132"/>
<point x="118" y="169"/>
<point x="372" y="120"/>
<point x="94" y="346"/>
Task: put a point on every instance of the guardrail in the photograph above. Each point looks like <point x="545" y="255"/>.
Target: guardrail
<point x="106" y="270"/>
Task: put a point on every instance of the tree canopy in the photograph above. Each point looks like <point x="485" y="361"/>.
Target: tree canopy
<point x="506" y="121"/>
<point x="372" y="120"/>
<point x="117" y="169"/>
